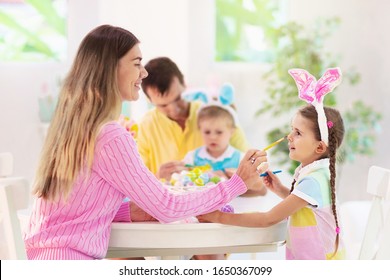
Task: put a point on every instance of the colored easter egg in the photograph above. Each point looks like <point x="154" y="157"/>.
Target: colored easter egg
<point x="227" y="208"/>
<point x="205" y="177"/>
<point x="215" y="179"/>
<point x="186" y="180"/>
<point x="197" y="171"/>
<point x="175" y="176"/>
<point x="199" y="182"/>
<point x="192" y="175"/>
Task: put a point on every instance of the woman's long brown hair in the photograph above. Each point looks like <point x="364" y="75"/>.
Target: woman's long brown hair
<point x="88" y="99"/>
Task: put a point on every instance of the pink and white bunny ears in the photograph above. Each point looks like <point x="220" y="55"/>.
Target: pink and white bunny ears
<point x="313" y="92"/>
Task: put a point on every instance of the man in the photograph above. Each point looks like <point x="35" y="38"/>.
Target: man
<point x="168" y="131"/>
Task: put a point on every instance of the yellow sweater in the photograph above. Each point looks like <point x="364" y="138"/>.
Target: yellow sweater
<point x="161" y="140"/>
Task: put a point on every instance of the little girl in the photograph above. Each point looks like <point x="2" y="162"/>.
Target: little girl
<point x="310" y="204"/>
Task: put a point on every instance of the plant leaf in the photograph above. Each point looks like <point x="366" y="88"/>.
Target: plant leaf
<point x="31" y="38"/>
<point x="49" y="13"/>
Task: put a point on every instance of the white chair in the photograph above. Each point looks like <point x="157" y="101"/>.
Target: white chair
<point x="14" y="196"/>
<point x="353" y="222"/>
<point x="376" y="240"/>
<point x="6" y="164"/>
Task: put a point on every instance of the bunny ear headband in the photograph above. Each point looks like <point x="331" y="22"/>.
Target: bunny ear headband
<point x="225" y="99"/>
<point x="313" y="92"/>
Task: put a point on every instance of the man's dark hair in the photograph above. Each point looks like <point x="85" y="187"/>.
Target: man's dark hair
<point x="161" y="71"/>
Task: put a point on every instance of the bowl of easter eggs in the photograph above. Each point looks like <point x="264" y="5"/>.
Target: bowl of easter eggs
<point x="196" y="178"/>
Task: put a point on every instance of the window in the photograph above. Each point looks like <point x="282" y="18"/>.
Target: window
<point x="33" y="30"/>
<point x="242" y="27"/>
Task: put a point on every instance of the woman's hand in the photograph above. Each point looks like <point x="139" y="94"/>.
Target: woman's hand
<point x="250" y="168"/>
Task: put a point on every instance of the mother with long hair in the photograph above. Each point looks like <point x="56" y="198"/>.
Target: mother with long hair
<point x="90" y="163"/>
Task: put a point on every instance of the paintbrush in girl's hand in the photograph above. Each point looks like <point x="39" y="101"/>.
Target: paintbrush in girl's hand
<point x="275" y="143"/>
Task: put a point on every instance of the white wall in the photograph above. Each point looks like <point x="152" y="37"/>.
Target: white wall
<point x="161" y="26"/>
<point x="183" y="30"/>
<point x="362" y="41"/>
<point x="20" y="87"/>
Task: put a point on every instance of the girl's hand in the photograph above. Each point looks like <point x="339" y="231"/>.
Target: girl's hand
<point x="139" y="215"/>
<point x="273" y="183"/>
<point x="212" y="217"/>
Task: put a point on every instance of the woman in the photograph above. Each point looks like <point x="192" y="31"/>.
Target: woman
<point x="90" y="163"/>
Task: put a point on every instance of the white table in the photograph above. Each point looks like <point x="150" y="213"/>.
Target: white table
<point x="172" y="241"/>
<point x="176" y="240"/>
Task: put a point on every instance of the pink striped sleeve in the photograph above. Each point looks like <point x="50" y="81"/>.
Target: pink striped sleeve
<point x="123" y="214"/>
<point x="120" y="164"/>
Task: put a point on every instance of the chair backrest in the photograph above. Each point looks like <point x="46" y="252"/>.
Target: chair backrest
<point x="376" y="240"/>
<point x="14" y="195"/>
<point x="6" y="164"/>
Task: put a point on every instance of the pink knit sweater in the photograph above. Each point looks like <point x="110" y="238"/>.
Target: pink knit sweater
<point x="80" y="228"/>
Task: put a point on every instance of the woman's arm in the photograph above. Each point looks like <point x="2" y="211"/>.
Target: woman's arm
<point x="123" y="213"/>
<point x="119" y="163"/>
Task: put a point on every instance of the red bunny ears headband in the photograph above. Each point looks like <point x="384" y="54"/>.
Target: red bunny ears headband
<point x="313" y="92"/>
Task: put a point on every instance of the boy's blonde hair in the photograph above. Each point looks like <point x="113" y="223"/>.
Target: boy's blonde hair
<point x="214" y="111"/>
